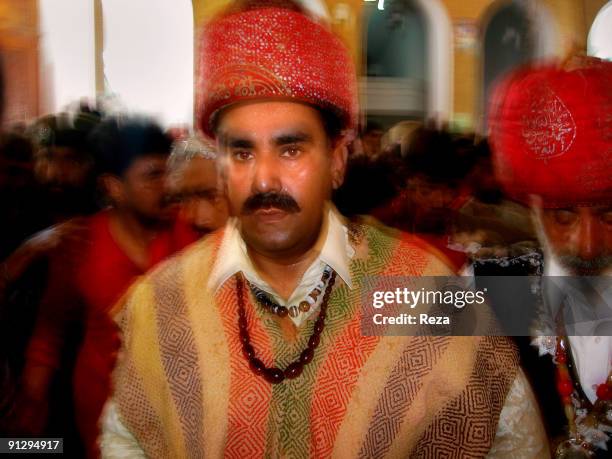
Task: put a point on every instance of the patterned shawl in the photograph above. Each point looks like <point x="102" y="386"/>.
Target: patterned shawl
<point x="184" y="389"/>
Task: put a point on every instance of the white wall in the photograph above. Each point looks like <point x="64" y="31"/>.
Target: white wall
<point x="148" y="57"/>
<point x="67" y="63"/>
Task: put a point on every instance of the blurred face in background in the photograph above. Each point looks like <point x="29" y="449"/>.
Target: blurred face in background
<point x="431" y="204"/>
<point x="580" y="238"/>
<point x="15" y="176"/>
<point x="66" y="177"/>
<point x="371" y="142"/>
<point x="141" y="191"/>
<point x="62" y="170"/>
<point x="195" y="186"/>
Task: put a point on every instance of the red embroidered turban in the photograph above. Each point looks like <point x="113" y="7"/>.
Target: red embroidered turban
<point x="273" y="53"/>
<point x="551" y="134"/>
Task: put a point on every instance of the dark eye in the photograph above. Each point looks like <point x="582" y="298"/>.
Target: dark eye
<point x="242" y="155"/>
<point x="565" y="216"/>
<point x="291" y="152"/>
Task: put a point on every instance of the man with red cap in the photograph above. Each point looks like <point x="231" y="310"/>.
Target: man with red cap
<point x="249" y="344"/>
<point x="551" y="132"/>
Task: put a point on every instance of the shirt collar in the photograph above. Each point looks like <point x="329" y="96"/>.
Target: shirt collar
<point x="232" y="257"/>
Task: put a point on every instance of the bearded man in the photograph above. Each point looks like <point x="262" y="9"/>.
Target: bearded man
<point x="249" y="344"/>
<point x="551" y="131"/>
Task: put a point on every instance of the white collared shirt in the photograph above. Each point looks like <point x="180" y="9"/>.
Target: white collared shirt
<point x="591" y="354"/>
<point x="336" y="252"/>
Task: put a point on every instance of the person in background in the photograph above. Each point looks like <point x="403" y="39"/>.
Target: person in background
<point x="194" y="184"/>
<point x="90" y="274"/>
<point x="18" y="197"/>
<point x="428" y="200"/>
<point x="371" y="139"/>
<point x="400" y="134"/>
<point x="64" y="164"/>
<point x="551" y="134"/>
<point x="489" y="225"/>
<point x="50" y="183"/>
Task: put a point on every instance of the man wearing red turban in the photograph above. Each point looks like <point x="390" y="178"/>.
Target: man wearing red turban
<point x="551" y="132"/>
<point x="250" y="343"/>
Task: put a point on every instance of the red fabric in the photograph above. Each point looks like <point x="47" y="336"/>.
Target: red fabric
<point x="86" y="281"/>
<point x="454" y="259"/>
<point x="551" y="134"/>
<point x="273" y="53"/>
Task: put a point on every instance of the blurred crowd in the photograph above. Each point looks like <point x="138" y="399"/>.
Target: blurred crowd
<point x="424" y="179"/>
<point x="89" y="203"/>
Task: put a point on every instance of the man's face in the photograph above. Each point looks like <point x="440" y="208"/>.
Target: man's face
<point x="280" y="169"/>
<point x="196" y="187"/>
<point x="580" y="238"/>
<point x="142" y="190"/>
<point x="371" y="142"/>
<point x="15" y="177"/>
<point x="431" y="205"/>
<point x="62" y="169"/>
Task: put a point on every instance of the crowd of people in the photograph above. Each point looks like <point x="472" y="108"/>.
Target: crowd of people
<point x="154" y="284"/>
<point x="91" y="203"/>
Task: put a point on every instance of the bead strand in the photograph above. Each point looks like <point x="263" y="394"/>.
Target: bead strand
<point x="275" y="375"/>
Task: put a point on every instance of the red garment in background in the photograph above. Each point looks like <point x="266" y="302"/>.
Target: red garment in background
<point x="87" y="278"/>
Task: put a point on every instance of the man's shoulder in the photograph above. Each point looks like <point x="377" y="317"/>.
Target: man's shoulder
<point x="171" y="277"/>
<point x="402" y="253"/>
<point x="194" y="261"/>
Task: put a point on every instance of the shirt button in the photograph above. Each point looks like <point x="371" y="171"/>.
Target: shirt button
<point x="597" y="340"/>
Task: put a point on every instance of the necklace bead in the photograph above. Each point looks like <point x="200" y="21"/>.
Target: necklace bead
<point x="273" y="375"/>
<point x="294" y="370"/>
<point x="293" y="311"/>
<point x="306" y="355"/>
<point x="256" y="365"/>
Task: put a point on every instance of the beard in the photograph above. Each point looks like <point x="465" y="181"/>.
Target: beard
<point x="577" y="266"/>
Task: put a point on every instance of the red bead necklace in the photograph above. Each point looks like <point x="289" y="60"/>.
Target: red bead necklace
<point x="275" y="375"/>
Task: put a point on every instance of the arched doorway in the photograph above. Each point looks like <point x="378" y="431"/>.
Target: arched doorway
<point x="406" y="70"/>
<point x="599" y="43"/>
<point x="512" y="34"/>
<point x="508" y="41"/>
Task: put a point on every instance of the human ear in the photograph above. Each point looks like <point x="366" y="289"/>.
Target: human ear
<point x="338" y="161"/>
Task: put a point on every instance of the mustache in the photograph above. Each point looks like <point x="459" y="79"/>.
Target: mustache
<point x="280" y="201"/>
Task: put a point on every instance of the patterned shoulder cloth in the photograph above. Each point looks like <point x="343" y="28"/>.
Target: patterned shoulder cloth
<point x="184" y="389"/>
